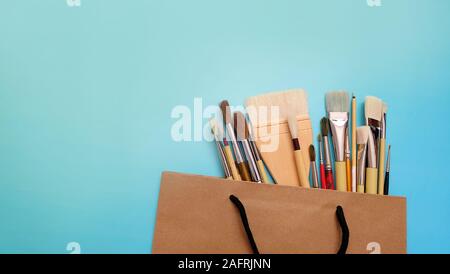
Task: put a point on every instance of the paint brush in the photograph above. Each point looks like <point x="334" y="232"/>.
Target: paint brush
<point x="348" y="163"/>
<point x="325" y="127"/>
<point x="362" y="134"/>
<point x="354" y="141"/>
<point x="373" y="111"/>
<point x="243" y="169"/>
<point x="299" y="162"/>
<point x="257" y="154"/>
<point x="218" y="135"/>
<point x="242" y="135"/>
<point x="388" y="170"/>
<point x="337" y="104"/>
<point x="314" y="174"/>
<point x="323" y="182"/>
<point x="382" y="151"/>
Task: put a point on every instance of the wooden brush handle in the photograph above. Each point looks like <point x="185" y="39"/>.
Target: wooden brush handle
<point x="301" y="169"/>
<point x="323" y="179"/>
<point x="231" y="164"/>
<point x="348" y="165"/>
<point x="243" y="170"/>
<point x="262" y="172"/>
<point x="329" y="179"/>
<point x="371" y="180"/>
<point x="360" y="189"/>
<point x="381" y="167"/>
<point x="341" y="176"/>
<point x="386" y="184"/>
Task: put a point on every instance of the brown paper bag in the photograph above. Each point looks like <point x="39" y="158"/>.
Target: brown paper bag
<point x="195" y="216"/>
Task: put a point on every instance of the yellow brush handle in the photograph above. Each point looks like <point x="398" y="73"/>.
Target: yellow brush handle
<point x="229" y="178"/>
<point x="371" y="180"/>
<point x="243" y="170"/>
<point x="360" y="188"/>
<point x="381" y="167"/>
<point x="349" y="175"/>
<point x="341" y="176"/>
<point x="301" y="169"/>
<point x="262" y="172"/>
<point x="231" y="164"/>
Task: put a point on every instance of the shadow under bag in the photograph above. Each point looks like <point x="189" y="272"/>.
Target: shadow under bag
<point x="206" y="215"/>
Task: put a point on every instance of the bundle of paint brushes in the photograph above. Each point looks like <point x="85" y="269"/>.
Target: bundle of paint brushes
<point x="351" y="158"/>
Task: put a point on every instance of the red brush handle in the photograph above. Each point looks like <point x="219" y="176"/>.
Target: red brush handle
<point x="323" y="180"/>
<point x="329" y="179"/>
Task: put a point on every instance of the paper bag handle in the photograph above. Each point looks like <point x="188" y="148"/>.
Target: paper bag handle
<point x="339" y="214"/>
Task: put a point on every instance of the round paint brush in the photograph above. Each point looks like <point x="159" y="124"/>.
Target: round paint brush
<point x="324" y="126"/>
<point x="323" y="181"/>
<point x="388" y="170"/>
<point x="362" y="136"/>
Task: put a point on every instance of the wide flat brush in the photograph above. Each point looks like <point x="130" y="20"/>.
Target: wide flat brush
<point x="218" y="135"/>
<point x="242" y="135"/>
<point x="301" y="169"/>
<point x="338" y="113"/>
<point x="329" y="180"/>
<point x="314" y="174"/>
<point x="362" y="136"/>
<point x="323" y="181"/>
<point x="382" y="151"/>
<point x="243" y="169"/>
<point x="269" y="114"/>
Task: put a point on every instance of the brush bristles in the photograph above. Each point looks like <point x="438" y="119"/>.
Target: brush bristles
<point x="312" y="153"/>
<point x="362" y="135"/>
<point x="292" y="122"/>
<point x="216" y="130"/>
<point x="338" y="101"/>
<point x="240" y="126"/>
<point x="373" y="108"/>
<point x="289" y="102"/>
<point x="226" y="112"/>
<point x="324" y="126"/>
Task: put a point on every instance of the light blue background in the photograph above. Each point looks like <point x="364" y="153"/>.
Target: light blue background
<point x="86" y="95"/>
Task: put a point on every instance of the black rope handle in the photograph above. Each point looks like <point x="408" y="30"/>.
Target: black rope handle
<point x="339" y="214"/>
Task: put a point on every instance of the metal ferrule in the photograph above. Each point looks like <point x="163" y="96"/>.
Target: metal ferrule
<point x="237" y="151"/>
<point x="338" y="124"/>
<point x="375" y="132"/>
<point x="371" y="152"/>
<point x="326" y="150"/>
<point x="383" y="127"/>
<point x="314" y="175"/>
<point x="223" y="160"/>
<point x="251" y="161"/>
<point x="347" y="145"/>
<point x="320" y="153"/>
<point x="361" y="166"/>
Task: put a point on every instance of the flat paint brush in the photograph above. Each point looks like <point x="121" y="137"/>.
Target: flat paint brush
<point x="338" y="104"/>
<point x="324" y="126"/>
<point x="323" y="181"/>
<point x="362" y="134"/>
<point x="257" y="154"/>
<point x="373" y="112"/>
<point x="371" y="170"/>
<point x="218" y="135"/>
<point x="354" y="141"/>
<point x="299" y="162"/>
<point x="242" y="135"/>
<point x="348" y="163"/>
<point x="243" y="169"/>
<point x="388" y="170"/>
<point x="314" y="174"/>
<point x="382" y="151"/>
